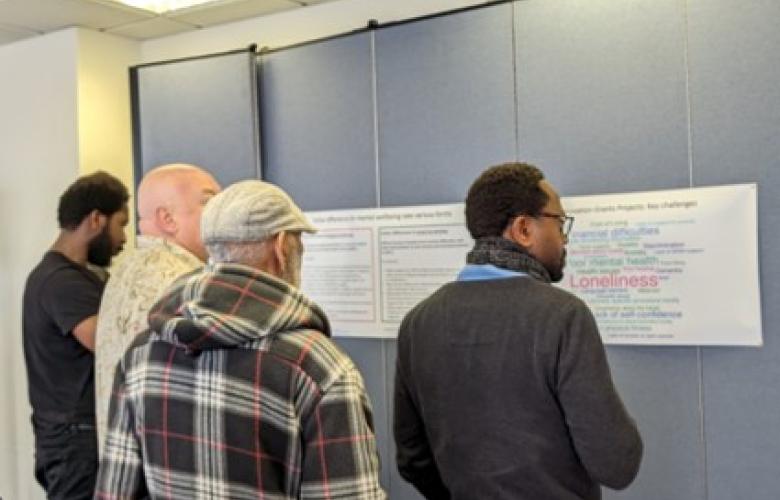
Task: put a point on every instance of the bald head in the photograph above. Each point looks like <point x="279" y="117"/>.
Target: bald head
<point x="170" y="200"/>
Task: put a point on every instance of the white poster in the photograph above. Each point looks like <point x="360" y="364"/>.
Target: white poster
<point x="368" y="267"/>
<point x="676" y="267"/>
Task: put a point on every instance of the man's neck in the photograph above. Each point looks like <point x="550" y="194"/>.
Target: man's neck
<point x="69" y="244"/>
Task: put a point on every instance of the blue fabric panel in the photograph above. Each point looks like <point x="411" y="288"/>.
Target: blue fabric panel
<point x="445" y="94"/>
<point x="369" y="357"/>
<point x="602" y="108"/>
<point x="602" y="95"/>
<point x="318" y="123"/>
<point x="200" y="111"/>
<point x="399" y="488"/>
<point x="735" y="98"/>
<point x="660" y="387"/>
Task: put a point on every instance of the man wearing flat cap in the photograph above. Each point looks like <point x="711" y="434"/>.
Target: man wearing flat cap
<point x="236" y="390"/>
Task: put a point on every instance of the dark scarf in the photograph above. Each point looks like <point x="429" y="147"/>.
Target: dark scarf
<point x="506" y="254"/>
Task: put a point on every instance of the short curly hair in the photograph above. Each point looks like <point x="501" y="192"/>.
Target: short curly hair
<point x="500" y="193"/>
<point x="99" y="191"/>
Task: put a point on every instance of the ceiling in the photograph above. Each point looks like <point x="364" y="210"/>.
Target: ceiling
<point x="26" y="18"/>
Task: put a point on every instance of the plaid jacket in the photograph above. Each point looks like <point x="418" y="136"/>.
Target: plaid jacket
<point x="236" y="391"/>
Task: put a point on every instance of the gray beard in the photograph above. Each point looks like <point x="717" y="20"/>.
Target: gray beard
<point x="292" y="270"/>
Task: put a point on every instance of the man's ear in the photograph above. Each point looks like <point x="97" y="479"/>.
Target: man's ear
<point x="165" y="221"/>
<point x="279" y="251"/>
<point x="521" y="230"/>
<point x="95" y="221"/>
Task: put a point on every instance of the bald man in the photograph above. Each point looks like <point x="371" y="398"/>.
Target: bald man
<point x="170" y="201"/>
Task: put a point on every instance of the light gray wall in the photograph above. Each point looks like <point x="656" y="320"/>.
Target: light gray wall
<point x="606" y="97"/>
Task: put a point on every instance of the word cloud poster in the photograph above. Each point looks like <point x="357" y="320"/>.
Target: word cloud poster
<point x="676" y="267"/>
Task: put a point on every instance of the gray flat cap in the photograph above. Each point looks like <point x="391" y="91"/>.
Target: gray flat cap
<point x="251" y="211"/>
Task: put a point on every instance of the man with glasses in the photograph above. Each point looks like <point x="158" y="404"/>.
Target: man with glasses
<point x="502" y="386"/>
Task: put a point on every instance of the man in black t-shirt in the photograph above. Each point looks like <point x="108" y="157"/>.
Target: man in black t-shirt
<point x="61" y="301"/>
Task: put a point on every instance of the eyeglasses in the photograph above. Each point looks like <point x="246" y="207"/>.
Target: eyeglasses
<point x="566" y="221"/>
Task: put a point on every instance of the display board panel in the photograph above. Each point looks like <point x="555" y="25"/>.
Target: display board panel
<point x="674" y="267"/>
<point x="200" y="110"/>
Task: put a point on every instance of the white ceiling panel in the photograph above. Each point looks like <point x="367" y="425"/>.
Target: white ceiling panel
<point x="151" y="28"/>
<point x="23" y="18"/>
<point x="49" y="15"/>
<point x="209" y="15"/>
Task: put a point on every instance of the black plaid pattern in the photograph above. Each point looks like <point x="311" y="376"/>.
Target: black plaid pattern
<point x="237" y="392"/>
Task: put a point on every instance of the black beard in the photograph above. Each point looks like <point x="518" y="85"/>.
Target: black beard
<point x="556" y="273"/>
<point x="100" y="251"/>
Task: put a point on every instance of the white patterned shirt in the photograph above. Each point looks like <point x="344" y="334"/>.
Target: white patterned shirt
<point x="135" y="284"/>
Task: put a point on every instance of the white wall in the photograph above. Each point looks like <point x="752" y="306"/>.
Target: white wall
<point x="105" y="135"/>
<point x="65" y="111"/>
<point x="38" y="159"/>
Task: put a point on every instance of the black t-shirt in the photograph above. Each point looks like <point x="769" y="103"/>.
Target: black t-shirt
<point x="58" y="296"/>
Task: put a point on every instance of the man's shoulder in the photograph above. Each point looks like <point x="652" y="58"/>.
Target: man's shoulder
<point x="522" y="297"/>
<point x="54" y="266"/>
<point x="536" y="293"/>
<point x="305" y="350"/>
<point x="556" y="295"/>
<point x="312" y="352"/>
<point x="144" y="273"/>
<point x="57" y="276"/>
<point x="157" y="258"/>
<point x="509" y="289"/>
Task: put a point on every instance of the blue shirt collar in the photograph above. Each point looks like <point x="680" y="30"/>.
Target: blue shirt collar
<point x="482" y="272"/>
